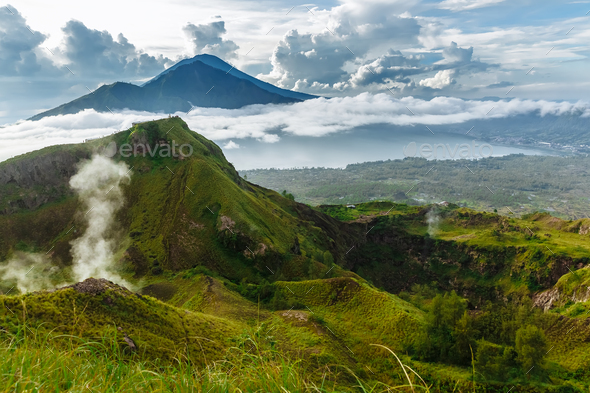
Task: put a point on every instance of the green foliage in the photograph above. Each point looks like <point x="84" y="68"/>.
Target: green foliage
<point x="288" y="195"/>
<point x="531" y="346"/>
<point x="495" y="362"/>
<point x="448" y="334"/>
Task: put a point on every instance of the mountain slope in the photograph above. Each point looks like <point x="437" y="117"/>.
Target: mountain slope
<point x="216" y="62"/>
<point x="189" y="83"/>
<point x="180" y="212"/>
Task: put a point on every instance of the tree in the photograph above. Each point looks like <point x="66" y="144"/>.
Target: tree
<point x="453" y="308"/>
<point x="436" y="313"/>
<point x="531" y="347"/>
<point x="448" y="332"/>
<point x="287" y="195"/>
<point x="464" y="337"/>
<point x="495" y="361"/>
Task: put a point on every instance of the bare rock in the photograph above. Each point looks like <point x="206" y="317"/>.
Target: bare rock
<point x="546" y="299"/>
<point x="94" y="286"/>
<point x="128" y="340"/>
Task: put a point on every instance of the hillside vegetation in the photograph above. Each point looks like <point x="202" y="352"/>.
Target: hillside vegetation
<point x="232" y="285"/>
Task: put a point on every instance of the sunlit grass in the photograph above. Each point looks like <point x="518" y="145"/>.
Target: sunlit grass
<point x="33" y="363"/>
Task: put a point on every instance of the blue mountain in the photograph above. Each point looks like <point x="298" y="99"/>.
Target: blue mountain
<point x="202" y="81"/>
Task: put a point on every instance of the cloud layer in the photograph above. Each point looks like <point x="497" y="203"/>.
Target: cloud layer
<point x="265" y="122"/>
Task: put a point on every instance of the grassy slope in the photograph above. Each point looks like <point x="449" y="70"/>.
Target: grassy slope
<point x="169" y="224"/>
<point x="482" y="253"/>
<point x="329" y="335"/>
<point x="177" y="215"/>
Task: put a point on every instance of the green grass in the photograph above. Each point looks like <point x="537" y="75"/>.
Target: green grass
<point x="100" y="366"/>
<point x="65" y="340"/>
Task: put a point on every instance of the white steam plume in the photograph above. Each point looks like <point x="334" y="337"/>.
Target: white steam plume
<point x="98" y="183"/>
<point x="433" y="219"/>
<point x="31" y="272"/>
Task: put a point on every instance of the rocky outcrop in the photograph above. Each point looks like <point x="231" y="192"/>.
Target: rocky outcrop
<point x="50" y="169"/>
<point x="95" y="286"/>
<point x="547" y="299"/>
<point x="554" y="297"/>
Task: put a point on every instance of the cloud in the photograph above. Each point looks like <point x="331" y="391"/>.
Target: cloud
<point x="18" y="45"/>
<point x="206" y="38"/>
<point x="314" y="57"/>
<point x="454" y="54"/>
<point x="321" y="61"/>
<point x="393" y="66"/>
<point x="231" y="145"/>
<point x="461" y="60"/>
<point x="393" y="71"/>
<point x="440" y="80"/>
<point x="92" y="52"/>
<point x="265" y="122"/>
<point x="463" y="5"/>
<point x="500" y="84"/>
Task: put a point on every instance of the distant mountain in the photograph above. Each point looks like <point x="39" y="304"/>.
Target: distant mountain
<point x="203" y="81"/>
<point x="216" y="62"/>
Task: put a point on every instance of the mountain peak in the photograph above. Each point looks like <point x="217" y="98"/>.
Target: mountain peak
<point x="203" y="81"/>
<point x="216" y="62"/>
<point x="210" y="60"/>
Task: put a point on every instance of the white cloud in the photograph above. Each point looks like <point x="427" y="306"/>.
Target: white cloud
<point x="231" y="145"/>
<point x="328" y="54"/>
<point x="93" y="52"/>
<point x="207" y="38"/>
<point x="19" y="45"/>
<point x="462" y="5"/>
<point x="263" y="122"/>
<point x="440" y="80"/>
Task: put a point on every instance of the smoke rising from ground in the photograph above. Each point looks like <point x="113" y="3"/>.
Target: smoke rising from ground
<point x="31" y="272"/>
<point x="433" y="220"/>
<point x="98" y="184"/>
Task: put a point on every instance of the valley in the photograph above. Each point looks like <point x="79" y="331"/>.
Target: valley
<point x="512" y="185"/>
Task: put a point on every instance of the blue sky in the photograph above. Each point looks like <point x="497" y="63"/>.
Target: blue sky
<point x="293" y="48"/>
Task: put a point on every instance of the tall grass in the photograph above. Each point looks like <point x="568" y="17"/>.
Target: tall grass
<point x="32" y="362"/>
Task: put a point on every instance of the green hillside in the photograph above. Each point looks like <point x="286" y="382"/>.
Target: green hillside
<point x="232" y="285"/>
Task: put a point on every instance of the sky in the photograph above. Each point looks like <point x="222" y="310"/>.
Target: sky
<point x="365" y="52"/>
